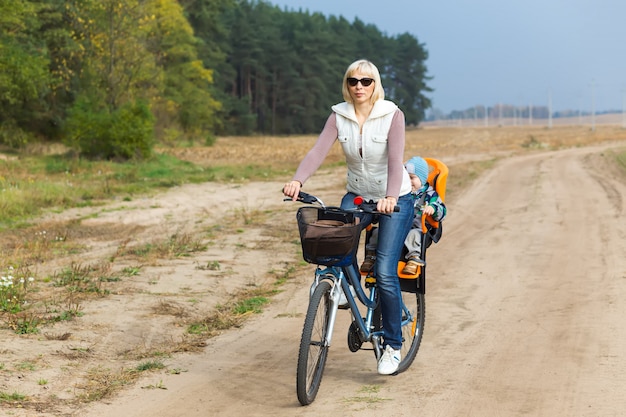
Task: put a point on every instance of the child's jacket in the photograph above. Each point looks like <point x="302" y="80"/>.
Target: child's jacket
<point x="427" y="195"/>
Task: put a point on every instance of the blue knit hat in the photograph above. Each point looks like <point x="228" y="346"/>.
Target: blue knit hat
<point x="418" y="166"/>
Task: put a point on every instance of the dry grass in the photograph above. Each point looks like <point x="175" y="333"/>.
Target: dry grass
<point x="287" y="151"/>
<point x="167" y="308"/>
<point x="468" y="151"/>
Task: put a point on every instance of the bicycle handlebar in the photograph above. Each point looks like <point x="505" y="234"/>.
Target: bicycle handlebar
<point x="370" y="206"/>
<point x="362" y="205"/>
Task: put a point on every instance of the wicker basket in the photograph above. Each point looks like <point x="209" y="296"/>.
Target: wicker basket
<point x="329" y="237"/>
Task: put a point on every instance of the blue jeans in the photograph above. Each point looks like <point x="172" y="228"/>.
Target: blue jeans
<point x="392" y="230"/>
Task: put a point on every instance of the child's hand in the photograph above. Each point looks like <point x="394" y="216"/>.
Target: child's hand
<point x="428" y="210"/>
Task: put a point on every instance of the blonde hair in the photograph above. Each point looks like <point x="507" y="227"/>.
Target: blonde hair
<point x="365" y="67"/>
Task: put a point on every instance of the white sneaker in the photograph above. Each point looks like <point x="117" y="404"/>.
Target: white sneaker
<point x="343" y="301"/>
<point x="389" y="361"/>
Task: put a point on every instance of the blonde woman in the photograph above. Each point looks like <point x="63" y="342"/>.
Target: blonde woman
<point x="371" y="131"/>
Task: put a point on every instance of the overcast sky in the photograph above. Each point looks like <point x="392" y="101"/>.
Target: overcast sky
<point x="519" y="52"/>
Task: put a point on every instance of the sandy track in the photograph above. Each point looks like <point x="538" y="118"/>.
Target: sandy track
<point x="525" y="302"/>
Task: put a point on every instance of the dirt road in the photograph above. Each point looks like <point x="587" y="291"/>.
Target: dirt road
<point x="525" y="308"/>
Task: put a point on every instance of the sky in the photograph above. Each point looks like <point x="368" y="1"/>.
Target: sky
<point x="564" y="54"/>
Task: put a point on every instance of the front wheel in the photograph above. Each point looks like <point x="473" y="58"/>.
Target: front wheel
<point x="413" y="316"/>
<point x="313" y="344"/>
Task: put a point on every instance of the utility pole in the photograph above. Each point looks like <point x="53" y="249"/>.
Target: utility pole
<point x="549" y="108"/>
<point x="593" y="105"/>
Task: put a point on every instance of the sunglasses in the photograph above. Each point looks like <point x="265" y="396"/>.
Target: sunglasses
<point x="365" y="82"/>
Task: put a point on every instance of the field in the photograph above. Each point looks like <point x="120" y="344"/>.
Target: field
<point x="133" y="301"/>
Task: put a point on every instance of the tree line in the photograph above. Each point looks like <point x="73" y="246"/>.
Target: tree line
<point x="110" y="78"/>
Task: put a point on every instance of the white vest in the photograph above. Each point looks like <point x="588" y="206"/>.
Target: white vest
<point x="367" y="174"/>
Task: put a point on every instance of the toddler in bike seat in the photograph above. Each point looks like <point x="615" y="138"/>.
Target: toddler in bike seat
<point x="426" y="201"/>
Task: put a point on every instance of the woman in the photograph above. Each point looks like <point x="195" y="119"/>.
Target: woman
<point x="371" y="132"/>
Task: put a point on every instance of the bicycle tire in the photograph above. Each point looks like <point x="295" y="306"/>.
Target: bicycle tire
<point x="313" y="349"/>
<point x="413" y="331"/>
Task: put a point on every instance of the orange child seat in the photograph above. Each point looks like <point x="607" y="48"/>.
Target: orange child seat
<point x="437" y="178"/>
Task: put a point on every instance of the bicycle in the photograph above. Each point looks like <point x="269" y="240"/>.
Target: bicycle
<point x="330" y="239"/>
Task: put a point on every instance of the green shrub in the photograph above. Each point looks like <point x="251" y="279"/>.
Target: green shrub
<point x="13" y="136"/>
<point x="125" y="133"/>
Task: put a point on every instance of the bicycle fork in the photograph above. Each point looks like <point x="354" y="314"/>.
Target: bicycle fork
<point x="335" y="295"/>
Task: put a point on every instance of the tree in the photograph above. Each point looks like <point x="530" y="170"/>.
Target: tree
<point x="407" y="77"/>
<point x="115" y="76"/>
<point x="24" y="79"/>
<point x="283" y="69"/>
<point x="187" y="83"/>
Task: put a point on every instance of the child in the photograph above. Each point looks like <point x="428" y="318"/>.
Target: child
<point x="428" y="202"/>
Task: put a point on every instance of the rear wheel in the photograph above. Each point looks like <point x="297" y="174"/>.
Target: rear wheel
<point x="313" y="344"/>
<point x="413" y="315"/>
<point x="412" y="327"/>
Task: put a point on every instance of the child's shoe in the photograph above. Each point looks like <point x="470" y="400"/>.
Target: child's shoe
<point x="411" y="266"/>
<point x="368" y="263"/>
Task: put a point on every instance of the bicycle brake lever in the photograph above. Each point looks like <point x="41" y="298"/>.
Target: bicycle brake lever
<point x="307" y="198"/>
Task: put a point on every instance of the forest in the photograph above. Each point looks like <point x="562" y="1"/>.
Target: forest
<point x="111" y="78"/>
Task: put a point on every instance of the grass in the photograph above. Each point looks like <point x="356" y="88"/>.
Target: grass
<point x="102" y="382"/>
<point x="32" y="184"/>
<point x="621" y="159"/>
<point x="233" y="313"/>
<point x="14" y="397"/>
<point x="177" y="245"/>
<point x="149" y="365"/>
<point x="14" y="286"/>
<point x="367" y="394"/>
<point x="24" y="323"/>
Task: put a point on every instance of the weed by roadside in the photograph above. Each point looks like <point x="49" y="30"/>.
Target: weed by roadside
<point x="38" y="244"/>
<point x="177" y="245"/>
<point x="368" y="394"/>
<point x="5" y="397"/>
<point x="231" y="314"/>
<point x="14" y="285"/>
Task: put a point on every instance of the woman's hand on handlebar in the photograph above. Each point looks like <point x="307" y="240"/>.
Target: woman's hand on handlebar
<point x="291" y="189"/>
<point x="386" y="205"/>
